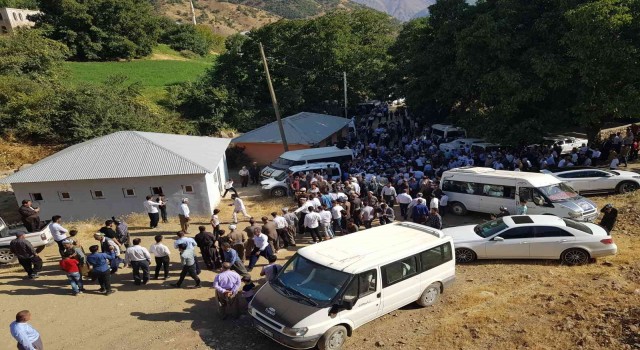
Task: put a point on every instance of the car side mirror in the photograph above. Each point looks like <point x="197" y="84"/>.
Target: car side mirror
<point x="498" y="239"/>
<point x="348" y="303"/>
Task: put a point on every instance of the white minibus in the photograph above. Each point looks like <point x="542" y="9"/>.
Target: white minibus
<point x="446" y="132"/>
<point x="485" y="190"/>
<point x="307" y="156"/>
<point x="327" y="290"/>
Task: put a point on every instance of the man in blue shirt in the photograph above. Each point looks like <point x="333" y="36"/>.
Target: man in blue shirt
<point x="231" y="256"/>
<point x="101" y="267"/>
<point x="26" y="336"/>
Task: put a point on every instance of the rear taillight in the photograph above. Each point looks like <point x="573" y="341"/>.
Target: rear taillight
<point x="607" y="241"/>
<point x="43" y="237"/>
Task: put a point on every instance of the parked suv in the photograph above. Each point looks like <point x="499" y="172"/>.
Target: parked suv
<point x="276" y="185"/>
<point x="39" y="240"/>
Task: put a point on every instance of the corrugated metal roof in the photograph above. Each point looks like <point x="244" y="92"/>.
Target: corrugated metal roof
<point x="127" y="154"/>
<point x="303" y="128"/>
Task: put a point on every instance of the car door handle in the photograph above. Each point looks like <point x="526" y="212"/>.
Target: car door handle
<point x="562" y="241"/>
<point x="524" y="242"/>
<point x="379" y="295"/>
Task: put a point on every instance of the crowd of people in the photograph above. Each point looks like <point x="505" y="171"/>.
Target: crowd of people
<point x="396" y="164"/>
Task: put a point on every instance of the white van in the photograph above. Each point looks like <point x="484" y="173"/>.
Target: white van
<point x="277" y="186"/>
<point x="327" y="290"/>
<point x="446" y="132"/>
<point x="485" y="190"/>
<point x="307" y="156"/>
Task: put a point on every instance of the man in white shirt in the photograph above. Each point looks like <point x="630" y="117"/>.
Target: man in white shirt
<point x="336" y="216"/>
<point x="442" y="206"/>
<point x="138" y="258"/>
<point x="325" y="222"/>
<point x="434" y="203"/>
<point x="282" y="229"/>
<point x="238" y="207"/>
<point x="389" y="194"/>
<point x="184" y="215"/>
<point x="161" y="253"/>
<point x="367" y="215"/>
<point x="152" y="210"/>
<point x="312" y="224"/>
<point x="404" y="199"/>
<point x="262" y="248"/>
<point x="58" y="232"/>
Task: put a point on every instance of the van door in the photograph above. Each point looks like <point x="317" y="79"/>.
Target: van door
<point x="536" y="203"/>
<point x="366" y="288"/>
<point x="400" y="283"/>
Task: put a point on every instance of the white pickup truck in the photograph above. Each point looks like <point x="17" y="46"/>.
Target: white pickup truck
<point x="39" y="240"/>
<point x="567" y="143"/>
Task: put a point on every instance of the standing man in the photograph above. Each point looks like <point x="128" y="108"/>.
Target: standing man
<point x="238" y="207"/>
<point x="609" y="218"/>
<point x="254" y="172"/>
<point x="389" y="194"/>
<point x="109" y="232"/>
<point x="184" y="215"/>
<point x="281" y="228"/>
<point x="27" y="256"/>
<point x="434" y="220"/>
<point x="58" y="232"/>
<point x="188" y="260"/>
<point x="269" y="229"/>
<point x="163" y="208"/>
<point x="262" y="248"/>
<point x="26" y="336"/>
<point x="444" y="204"/>
<point x="312" y="224"/>
<point x="244" y="176"/>
<point x="238" y="239"/>
<point x="100" y="264"/>
<point x="29" y="216"/>
<point x="227" y="285"/>
<point x="152" y="210"/>
<point x="107" y="245"/>
<point x="292" y="220"/>
<point x="206" y="241"/>
<point x="419" y="212"/>
<point x="161" y="253"/>
<point x="404" y="199"/>
<point x="122" y="232"/>
<point x="139" y="258"/>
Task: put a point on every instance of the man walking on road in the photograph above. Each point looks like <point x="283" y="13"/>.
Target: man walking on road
<point x="139" y="258"/>
<point x="404" y="199"/>
<point x="27" y="256"/>
<point x="188" y="265"/>
<point x="184" y="215"/>
<point x="238" y="207"/>
<point x="26" y="336"/>
<point x="262" y="248"/>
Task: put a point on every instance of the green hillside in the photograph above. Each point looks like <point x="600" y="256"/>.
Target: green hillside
<point x="293" y="8"/>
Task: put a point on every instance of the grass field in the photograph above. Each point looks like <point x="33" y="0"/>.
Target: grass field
<point x="154" y="74"/>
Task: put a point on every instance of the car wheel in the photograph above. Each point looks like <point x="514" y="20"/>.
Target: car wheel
<point x="575" y="257"/>
<point x="458" y="208"/>
<point x="40" y="248"/>
<point x="333" y="339"/>
<point x="465" y="255"/>
<point x="430" y="295"/>
<point x="6" y="256"/>
<point x="279" y="192"/>
<point x="626" y="187"/>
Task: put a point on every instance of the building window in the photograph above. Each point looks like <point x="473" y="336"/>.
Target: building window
<point x="20" y="15"/>
<point x="128" y="192"/>
<point x="5" y="30"/>
<point x="97" y="194"/>
<point x="156" y="191"/>
<point x="1" y="17"/>
<point x="187" y="189"/>
<point x="64" y="196"/>
<point x="36" y="196"/>
<point x="15" y="16"/>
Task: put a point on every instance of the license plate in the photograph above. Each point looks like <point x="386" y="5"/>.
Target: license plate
<point x="264" y="331"/>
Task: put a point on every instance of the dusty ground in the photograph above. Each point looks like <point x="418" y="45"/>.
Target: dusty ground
<point x="493" y="305"/>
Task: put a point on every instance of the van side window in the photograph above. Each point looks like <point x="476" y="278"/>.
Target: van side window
<point x="398" y="271"/>
<point x="435" y="257"/>
<point x="361" y="286"/>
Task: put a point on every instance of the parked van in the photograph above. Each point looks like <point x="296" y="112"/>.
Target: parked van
<point x="446" y="132"/>
<point x="277" y="186"/>
<point x="485" y="190"/>
<point x="327" y="290"/>
<point x="484" y="147"/>
<point x="307" y="156"/>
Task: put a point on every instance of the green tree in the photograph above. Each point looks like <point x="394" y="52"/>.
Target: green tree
<point x="196" y="38"/>
<point x="27" y="52"/>
<point x="101" y="29"/>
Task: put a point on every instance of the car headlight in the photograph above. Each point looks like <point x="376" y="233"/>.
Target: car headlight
<point x="575" y="214"/>
<point x="295" y="332"/>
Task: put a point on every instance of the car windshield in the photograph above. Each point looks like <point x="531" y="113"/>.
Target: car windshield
<point x="279" y="175"/>
<point x="558" y="192"/>
<point x="454" y="134"/>
<point x="578" y="226"/>
<point x="490" y="228"/>
<point x="283" y="163"/>
<point x="308" y="282"/>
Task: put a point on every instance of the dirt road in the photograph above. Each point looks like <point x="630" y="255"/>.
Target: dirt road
<point x="493" y="305"/>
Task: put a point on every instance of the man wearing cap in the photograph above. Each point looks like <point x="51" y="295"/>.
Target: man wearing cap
<point x="184" y="215"/>
<point x="138" y="258"/>
<point x="29" y="216"/>
<point x="27" y="256"/>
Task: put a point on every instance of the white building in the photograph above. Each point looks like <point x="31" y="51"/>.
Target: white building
<point x="11" y="18"/>
<point x="112" y="175"/>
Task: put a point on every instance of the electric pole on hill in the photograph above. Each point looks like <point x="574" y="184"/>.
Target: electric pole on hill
<point x="273" y="99"/>
<point x="346" y="114"/>
<point x="193" y="13"/>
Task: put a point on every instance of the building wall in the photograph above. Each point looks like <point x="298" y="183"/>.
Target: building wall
<point x="11" y="18"/>
<point x="265" y="153"/>
<point x="82" y="204"/>
<point x="215" y="184"/>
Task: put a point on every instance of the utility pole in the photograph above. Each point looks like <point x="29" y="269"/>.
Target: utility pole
<point x="346" y="114"/>
<point x="274" y="100"/>
<point x="193" y="13"/>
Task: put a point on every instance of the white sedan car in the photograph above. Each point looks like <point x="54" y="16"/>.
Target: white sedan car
<point x="531" y="237"/>
<point x="458" y="144"/>
<point x="593" y="180"/>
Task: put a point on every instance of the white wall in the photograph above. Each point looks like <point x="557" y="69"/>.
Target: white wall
<point x="215" y="184"/>
<point x="11" y="18"/>
<point x="83" y="206"/>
